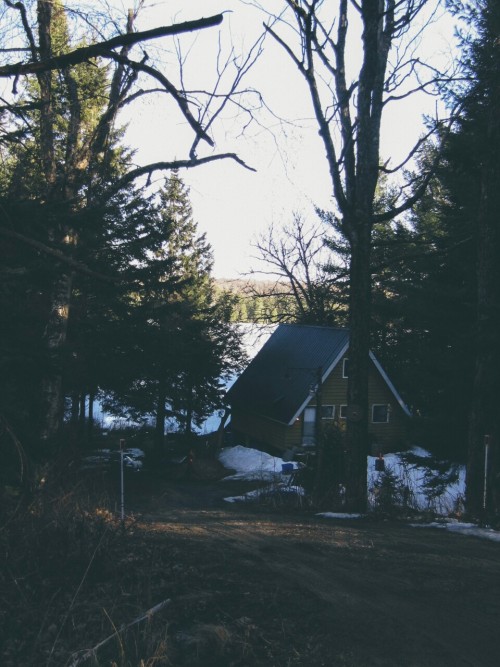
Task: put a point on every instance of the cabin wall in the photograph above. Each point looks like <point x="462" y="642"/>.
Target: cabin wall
<point x="250" y="429"/>
<point x="384" y="437"/>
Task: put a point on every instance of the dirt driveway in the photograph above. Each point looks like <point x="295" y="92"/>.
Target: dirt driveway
<point x="289" y="588"/>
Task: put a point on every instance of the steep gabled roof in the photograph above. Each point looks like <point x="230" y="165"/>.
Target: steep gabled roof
<point x="278" y="380"/>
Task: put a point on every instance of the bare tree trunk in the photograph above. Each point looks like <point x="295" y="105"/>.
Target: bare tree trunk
<point x="160" y="417"/>
<point x="188" y="426"/>
<point x="90" y="421"/>
<point x="485" y="414"/>
<point x="55" y="337"/>
<point x="348" y="111"/>
<point x="357" y="388"/>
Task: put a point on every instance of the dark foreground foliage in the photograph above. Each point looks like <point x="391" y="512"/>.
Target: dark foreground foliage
<point x="239" y="585"/>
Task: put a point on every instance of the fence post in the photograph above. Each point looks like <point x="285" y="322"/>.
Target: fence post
<point x="122" y="485"/>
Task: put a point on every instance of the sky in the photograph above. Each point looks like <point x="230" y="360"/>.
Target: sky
<point x="231" y="204"/>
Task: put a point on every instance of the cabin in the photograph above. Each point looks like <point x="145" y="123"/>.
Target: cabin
<point x="274" y="401"/>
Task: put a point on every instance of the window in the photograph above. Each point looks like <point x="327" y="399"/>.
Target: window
<point x="327" y="412"/>
<point x="380" y="414"/>
<point x="343" y="412"/>
<point x="345" y="368"/>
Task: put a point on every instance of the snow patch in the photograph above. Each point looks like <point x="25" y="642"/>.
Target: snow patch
<point x="250" y="464"/>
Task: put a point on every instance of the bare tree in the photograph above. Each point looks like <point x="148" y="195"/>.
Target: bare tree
<point x="296" y="258"/>
<point x="71" y="165"/>
<point x="323" y="40"/>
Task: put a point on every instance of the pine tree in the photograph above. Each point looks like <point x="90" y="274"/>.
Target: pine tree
<point x="479" y="137"/>
<point x="184" y="344"/>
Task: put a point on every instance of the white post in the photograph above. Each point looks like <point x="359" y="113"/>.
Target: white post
<point x="486" y="456"/>
<point x="122" y="485"/>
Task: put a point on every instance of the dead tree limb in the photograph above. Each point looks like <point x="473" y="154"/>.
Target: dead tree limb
<point x="86" y="53"/>
<point x="91" y="653"/>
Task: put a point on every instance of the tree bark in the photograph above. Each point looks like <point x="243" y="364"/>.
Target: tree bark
<point x="161" y="414"/>
<point x="485" y="414"/>
<point x="359" y="348"/>
<point x="349" y="114"/>
<point x="55" y="337"/>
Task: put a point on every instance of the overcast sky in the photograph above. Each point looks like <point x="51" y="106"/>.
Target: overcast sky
<point x="230" y="203"/>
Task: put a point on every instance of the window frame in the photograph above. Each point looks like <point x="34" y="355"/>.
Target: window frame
<point x="387" y="412"/>
<point x="344" y="410"/>
<point x="345" y="362"/>
<point x="328" y="405"/>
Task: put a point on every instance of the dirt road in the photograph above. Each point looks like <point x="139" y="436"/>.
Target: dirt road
<point x="290" y="588"/>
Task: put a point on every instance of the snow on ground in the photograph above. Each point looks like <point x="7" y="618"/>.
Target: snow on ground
<point x="410" y="480"/>
<point x="340" y="515"/>
<point x="462" y="528"/>
<point x="253" y="465"/>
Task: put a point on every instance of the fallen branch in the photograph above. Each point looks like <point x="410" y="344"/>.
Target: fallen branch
<point x="91" y="653"/>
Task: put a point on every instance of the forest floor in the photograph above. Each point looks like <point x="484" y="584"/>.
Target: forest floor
<point x="243" y="585"/>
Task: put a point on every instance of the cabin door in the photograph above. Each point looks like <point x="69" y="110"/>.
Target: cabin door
<point x="309" y="427"/>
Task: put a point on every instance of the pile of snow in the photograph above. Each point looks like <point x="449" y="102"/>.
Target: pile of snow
<point x="410" y="479"/>
<point x="251" y="464"/>
<point x="340" y="515"/>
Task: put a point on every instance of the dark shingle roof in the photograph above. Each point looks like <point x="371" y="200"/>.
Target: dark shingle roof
<point x="277" y="382"/>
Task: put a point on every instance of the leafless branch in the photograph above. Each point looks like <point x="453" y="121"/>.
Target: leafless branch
<point x="91" y="653"/>
<point x="103" y="49"/>
<point x="149" y="169"/>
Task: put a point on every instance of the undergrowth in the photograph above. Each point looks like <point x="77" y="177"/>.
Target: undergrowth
<point x="64" y="563"/>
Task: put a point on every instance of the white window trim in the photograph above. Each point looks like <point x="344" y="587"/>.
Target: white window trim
<point x="329" y="405"/>
<point x="344" y="374"/>
<point x="343" y="416"/>
<point x="383" y="405"/>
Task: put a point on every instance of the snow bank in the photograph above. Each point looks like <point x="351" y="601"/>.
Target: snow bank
<point x="250" y="464"/>
<point x="411" y="483"/>
<point x="462" y="528"/>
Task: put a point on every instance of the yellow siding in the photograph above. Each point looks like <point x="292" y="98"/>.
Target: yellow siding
<point x="384" y="437"/>
<point x="258" y="429"/>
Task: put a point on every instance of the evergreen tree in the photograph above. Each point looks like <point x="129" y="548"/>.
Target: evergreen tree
<point x="64" y="174"/>
<point x="184" y="344"/>
<point x="478" y="137"/>
<point x="423" y="302"/>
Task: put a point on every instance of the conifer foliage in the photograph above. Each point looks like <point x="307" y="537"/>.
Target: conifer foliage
<point x="183" y="344"/>
<point x="104" y="284"/>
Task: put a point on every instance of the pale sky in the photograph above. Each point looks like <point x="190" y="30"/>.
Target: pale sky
<point x="230" y="203"/>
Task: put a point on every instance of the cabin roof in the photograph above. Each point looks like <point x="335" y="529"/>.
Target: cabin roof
<point x="281" y="379"/>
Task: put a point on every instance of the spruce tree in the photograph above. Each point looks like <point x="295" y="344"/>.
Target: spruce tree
<point x="479" y="136"/>
<point x="184" y="345"/>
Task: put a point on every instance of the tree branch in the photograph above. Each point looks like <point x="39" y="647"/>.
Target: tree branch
<point x="58" y="254"/>
<point x="102" y="48"/>
<point x="174" y="164"/>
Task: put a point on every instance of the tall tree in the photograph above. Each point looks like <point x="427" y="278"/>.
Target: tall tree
<point x="71" y="124"/>
<point x="185" y="346"/>
<point x="348" y="110"/>
<point x="479" y="133"/>
<point x="423" y="305"/>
